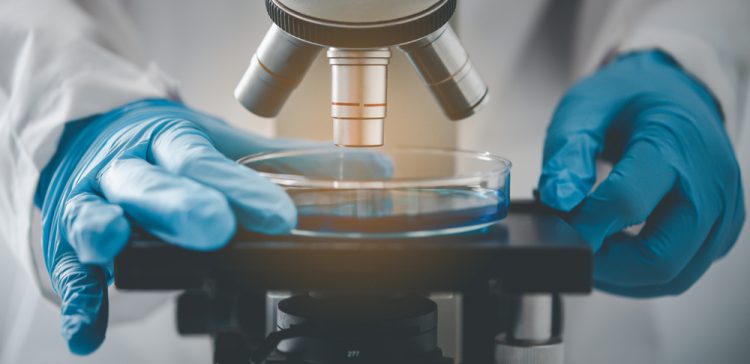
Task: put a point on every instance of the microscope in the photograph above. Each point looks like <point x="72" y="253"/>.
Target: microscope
<point x="358" y="36"/>
<point x="490" y="297"/>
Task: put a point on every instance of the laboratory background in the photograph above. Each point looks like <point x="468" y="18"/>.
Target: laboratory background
<point x="629" y="119"/>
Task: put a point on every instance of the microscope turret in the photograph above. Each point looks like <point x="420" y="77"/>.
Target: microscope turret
<point x="358" y="35"/>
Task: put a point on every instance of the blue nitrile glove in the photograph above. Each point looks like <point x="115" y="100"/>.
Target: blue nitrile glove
<point x="674" y="169"/>
<point x="160" y="165"/>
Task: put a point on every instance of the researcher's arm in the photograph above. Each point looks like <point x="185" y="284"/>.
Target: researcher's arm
<point x="63" y="65"/>
<point x="709" y="40"/>
<point x="660" y="112"/>
<point x="60" y="60"/>
<point x="92" y="140"/>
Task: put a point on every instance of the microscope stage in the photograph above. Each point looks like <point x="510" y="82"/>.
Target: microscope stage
<point x="532" y="250"/>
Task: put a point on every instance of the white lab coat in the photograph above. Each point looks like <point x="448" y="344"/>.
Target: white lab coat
<point x="62" y="60"/>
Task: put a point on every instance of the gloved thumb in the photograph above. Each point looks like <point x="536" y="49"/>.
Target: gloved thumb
<point x="575" y="138"/>
<point x="570" y="171"/>
<point x="84" y="303"/>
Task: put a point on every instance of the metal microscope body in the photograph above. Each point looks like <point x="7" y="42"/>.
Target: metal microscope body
<point x="358" y="35"/>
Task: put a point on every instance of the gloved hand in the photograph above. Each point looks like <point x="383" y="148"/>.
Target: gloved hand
<point x="164" y="167"/>
<point x="674" y="168"/>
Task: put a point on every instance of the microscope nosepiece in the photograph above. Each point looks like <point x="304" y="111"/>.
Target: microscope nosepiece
<point x="358" y="95"/>
<point x="358" y="41"/>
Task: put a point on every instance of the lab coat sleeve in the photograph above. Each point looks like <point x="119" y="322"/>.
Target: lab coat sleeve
<point x="60" y="60"/>
<point x="711" y="40"/>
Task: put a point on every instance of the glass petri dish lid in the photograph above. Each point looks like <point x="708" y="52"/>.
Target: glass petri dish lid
<point x="389" y="192"/>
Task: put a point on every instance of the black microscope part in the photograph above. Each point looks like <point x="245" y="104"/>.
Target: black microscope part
<point x="381" y="317"/>
<point x="358" y="328"/>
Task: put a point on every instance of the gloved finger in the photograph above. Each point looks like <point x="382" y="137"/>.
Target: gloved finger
<point x="360" y="164"/>
<point x="684" y="280"/>
<point x="668" y="242"/>
<point x="737" y="214"/>
<point x="95" y="229"/>
<point x="175" y="209"/>
<point x="633" y="189"/>
<point x="715" y="245"/>
<point x="235" y="143"/>
<point x="259" y="204"/>
<point x="570" y="171"/>
<point x="332" y="163"/>
<point x="84" y="304"/>
<point x="574" y="140"/>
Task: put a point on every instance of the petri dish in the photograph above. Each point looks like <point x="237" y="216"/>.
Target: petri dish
<point x="389" y="191"/>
